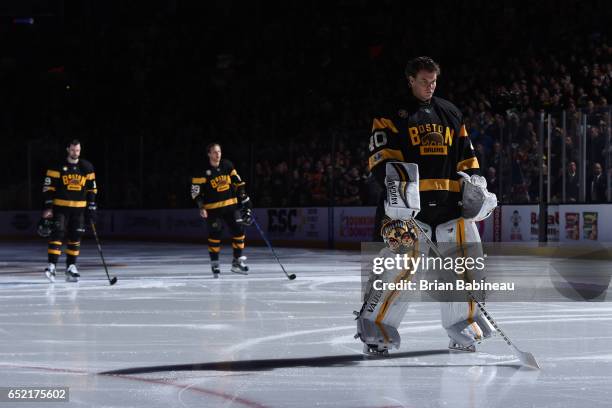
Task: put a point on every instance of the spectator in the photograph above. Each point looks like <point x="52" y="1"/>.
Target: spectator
<point x="493" y="182"/>
<point x="572" y="183"/>
<point x="295" y="91"/>
<point x="597" y="185"/>
<point x="279" y="183"/>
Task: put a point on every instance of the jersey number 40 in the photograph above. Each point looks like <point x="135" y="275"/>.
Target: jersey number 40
<point x="378" y="138"/>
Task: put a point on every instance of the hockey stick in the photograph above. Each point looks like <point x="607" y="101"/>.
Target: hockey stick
<point x="526" y="358"/>
<point x="112" y="280"/>
<point x="292" y="276"/>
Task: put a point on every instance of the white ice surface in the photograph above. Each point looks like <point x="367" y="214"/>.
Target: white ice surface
<point x="264" y="341"/>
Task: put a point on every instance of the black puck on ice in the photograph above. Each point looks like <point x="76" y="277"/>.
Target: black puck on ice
<point x="292" y="276"/>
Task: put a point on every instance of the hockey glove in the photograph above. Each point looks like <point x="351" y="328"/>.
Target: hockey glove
<point x="246" y="203"/>
<point x="477" y="203"/>
<point x="245" y="216"/>
<point x="91" y="213"/>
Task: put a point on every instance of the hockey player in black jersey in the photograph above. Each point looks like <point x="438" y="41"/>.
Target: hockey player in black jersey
<point x="221" y="196"/>
<point x="421" y="154"/>
<point x="70" y="202"/>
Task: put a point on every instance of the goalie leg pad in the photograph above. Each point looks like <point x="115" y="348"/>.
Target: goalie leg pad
<point x="384" y="309"/>
<point x="463" y="321"/>
<point x="459" y="231"/>
<point x="459" y="333"/>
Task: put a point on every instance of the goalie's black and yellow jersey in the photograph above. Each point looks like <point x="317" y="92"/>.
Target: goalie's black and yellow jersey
<point x="431" y="135"/>
<point x="70" y="185"/>
<point x="216" y="187"/>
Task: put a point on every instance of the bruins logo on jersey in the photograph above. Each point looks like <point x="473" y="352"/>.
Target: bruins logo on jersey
<point x="433" y="143"/>
<point x="221" y="183"/>
<point x="74" y="182"/>
<point x="432" y="139"/>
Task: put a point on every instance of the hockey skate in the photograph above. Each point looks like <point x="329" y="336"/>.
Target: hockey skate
<point x="466" y="340"/>
<point x="454" y="346"/>
<point x="239" y="266"/>
<point x="216" y="270"/>
<point x="376" y="338"/>
<point x="375" y="350"/>
<point x="50" y="272"/>
<point x="72" y="274"/>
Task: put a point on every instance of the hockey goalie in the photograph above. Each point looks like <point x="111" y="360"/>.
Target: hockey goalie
<point x="422" y="156"/>
<point x="402" y="231"/>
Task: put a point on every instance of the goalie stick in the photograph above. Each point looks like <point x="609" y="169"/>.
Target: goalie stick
<point x="527" y="359"/>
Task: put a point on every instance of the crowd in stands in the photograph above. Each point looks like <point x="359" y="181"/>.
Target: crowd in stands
<point x="503" y="126"/>
<point x="291" y="99"/>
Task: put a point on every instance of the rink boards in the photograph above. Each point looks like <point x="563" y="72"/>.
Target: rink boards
<point x="337" y="227"/>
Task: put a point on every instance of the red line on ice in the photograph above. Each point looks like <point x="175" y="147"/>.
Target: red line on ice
<point x="243" y="401"/>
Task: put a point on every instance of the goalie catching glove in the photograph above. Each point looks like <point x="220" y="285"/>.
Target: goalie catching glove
<point x="477" y="203"/>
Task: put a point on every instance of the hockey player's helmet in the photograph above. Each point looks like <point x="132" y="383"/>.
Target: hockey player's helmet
<point x="45" y="227"/>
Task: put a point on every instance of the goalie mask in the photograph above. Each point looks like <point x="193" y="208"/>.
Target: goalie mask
<point x="45" y="227"/>
<point x="399" y="235"/>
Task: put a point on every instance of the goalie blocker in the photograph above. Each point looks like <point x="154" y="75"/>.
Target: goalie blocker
<point x="383" y="310"/>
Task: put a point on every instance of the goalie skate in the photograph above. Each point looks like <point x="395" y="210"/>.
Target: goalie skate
<point x="471" y="335"/>
<point x="454" y="346"/>
<point x="375" y="350"/>
<point x="377" y="338"/>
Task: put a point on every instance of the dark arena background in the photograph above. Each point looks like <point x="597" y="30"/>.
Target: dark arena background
<point x="290" y="90"/>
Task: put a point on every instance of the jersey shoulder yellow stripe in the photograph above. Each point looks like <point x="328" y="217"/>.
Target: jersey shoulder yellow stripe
<point x="471" y="163"/>
<point x="384" y="123"/>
